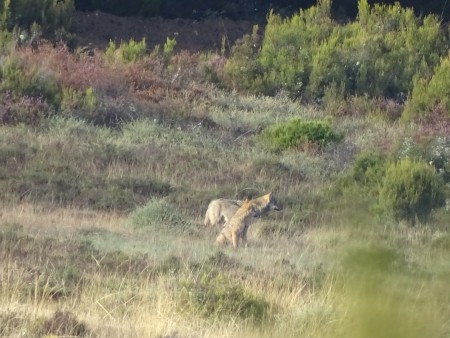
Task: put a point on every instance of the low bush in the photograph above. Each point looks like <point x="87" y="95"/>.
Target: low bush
<point x="297" y="132"/>
<point x="410" y="190"/>
<point x="368" y="169"/>
<point x="160" y="215"/>
<point x="130" y="51"/>
<point x="213" y="296"/>
<point x="169" y="46"/>
<point x="29" y="82"/>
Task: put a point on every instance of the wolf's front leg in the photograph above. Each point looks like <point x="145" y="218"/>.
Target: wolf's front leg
<point x="235" y="239"/>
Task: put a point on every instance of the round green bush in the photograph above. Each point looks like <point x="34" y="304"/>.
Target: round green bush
<point x="410" y="190"/>
<point x="295" y="132"/>
<point x="368" y="169"/>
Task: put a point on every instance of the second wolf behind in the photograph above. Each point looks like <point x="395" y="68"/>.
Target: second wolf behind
<point x="236" y="228"/>
<point x="221" y="210"/>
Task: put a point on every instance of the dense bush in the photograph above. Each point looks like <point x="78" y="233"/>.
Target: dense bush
<point x="289" y="46"/>
<point x="376" y="55"/>
<point x="429" y="95"/>
<point x="410" y="190"/>
<point x="243" y="70"/>
<point x="54" y="18"/>
<point x="297" y="132"/>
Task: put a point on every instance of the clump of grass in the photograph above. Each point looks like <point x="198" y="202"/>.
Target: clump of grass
<point x="211" y="295"/>
<point x="64" y="323"/>
<point x="14" y="324"/>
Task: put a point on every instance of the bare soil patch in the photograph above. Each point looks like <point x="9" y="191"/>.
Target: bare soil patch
<point x="96" y="29"/>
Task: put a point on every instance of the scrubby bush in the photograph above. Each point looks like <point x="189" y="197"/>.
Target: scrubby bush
<point x="410" y="189"/>
<point x="169" y="46"/>
<point x="243" y="70"/>
<point x="130" y="51"/>
<point x="289" y="46"/>
<point x="296" y="132"/>
<point x="19" y="80"/>
<point x="74" y="100"/>
<point x="368" y="169"/>
<point x="214" y="297"/>
<point x="438" y="153"/>
<point x="159" y="214"/>
<point x="376" y="55"/>
<point x="429" y="95"/>
<point x="53" y="17"/>
<point x="359" y="185"/>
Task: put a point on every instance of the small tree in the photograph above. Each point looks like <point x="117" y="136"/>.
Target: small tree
<point x="410" y="189"/>
<point x="430" y="94"/>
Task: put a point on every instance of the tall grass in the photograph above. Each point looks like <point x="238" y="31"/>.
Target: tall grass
<point x="323" y="283"/>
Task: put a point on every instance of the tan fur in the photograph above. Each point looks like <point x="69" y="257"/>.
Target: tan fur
<point x="220" y="211"/>
<point x="237" y="227"/>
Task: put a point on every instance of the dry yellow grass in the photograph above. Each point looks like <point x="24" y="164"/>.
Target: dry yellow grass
<point x="35" y="218"/>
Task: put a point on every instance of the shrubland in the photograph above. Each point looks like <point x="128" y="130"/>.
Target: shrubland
<point x="108" y="162"/>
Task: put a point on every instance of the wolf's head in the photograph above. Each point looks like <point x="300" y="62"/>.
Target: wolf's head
<point x="271" y="202"/>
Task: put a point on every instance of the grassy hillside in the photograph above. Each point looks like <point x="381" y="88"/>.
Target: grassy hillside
<point x="102" y="232"/>
<point x="106" y="169"/>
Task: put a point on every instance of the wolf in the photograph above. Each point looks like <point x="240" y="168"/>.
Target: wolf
<point x="221" y="210"/>
<point x="236" y="228"/>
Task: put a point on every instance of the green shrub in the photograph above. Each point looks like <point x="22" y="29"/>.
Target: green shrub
<point x="52" y="16"/>
<point x="73" y="100"/>
<point x="368" y="169"/>
<point x="297" y="132"/>
<point x="243" y="70"/>
<point x="432" y="94"/>
<point x="30" y="83"/>
<point x="289" y="47"/>
<point x="130" y="51"/>
<point x="169" y="46"/>
<point x="410" y="189"/>
<point x="160" y="215"/>
<point x="377" y="55"/>
<point x="214" y="297"/>
<point x="110" y="51"/>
